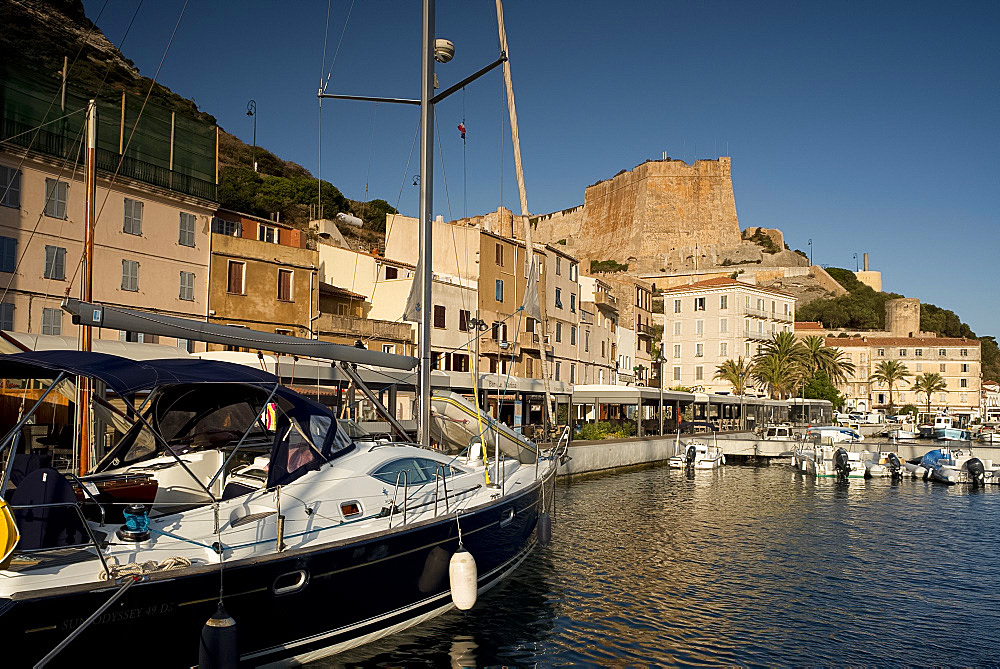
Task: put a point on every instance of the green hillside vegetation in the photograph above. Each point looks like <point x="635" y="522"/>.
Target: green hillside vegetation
<point x="864" y="309"/>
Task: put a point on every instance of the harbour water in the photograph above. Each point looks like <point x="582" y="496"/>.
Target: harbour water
<point x="750" y="566"/>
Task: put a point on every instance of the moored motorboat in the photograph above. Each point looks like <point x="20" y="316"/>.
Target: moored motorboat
<point x="827" y="461"/>
<point x="961" y="467"/>
<point x="697" y="454"/>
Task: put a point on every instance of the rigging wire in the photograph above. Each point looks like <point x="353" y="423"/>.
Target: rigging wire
<point x="337" y="52"/>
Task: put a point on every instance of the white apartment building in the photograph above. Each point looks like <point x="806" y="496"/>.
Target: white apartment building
<point x="711" y="321"/>
<point x="599" y="331"/>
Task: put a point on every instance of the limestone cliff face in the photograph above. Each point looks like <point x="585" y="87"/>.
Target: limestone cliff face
<point x="653" y="215"/>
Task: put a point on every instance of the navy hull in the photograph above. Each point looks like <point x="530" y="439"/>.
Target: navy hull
<point x="287" y="604"/>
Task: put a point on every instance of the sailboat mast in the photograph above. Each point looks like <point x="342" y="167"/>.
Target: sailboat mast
<point x="529" y="249"/>
<point x="426" y="204"/>
<point x="87" y="287"/>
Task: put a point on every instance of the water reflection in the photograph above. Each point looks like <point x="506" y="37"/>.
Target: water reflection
<point x="741" y="566"/>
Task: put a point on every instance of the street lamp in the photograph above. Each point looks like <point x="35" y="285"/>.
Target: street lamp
<point x="661" y="359"/>
<point x="252" y="111"/>
<point x="856" y="266"/>
<point x="810" y="251"/>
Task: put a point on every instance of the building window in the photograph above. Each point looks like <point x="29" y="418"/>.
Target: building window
<point x="185" y="235"/>
<point x="748" y="348"/>
<point x="52" y="321"/>
<point x="529" y="324"/>
<point x="902" y="353"/>
<point x="786" y="308"/>
<point x="572" y="302"/>
<point x="573" y="271"/>
<point x="677" y="350"/>
<point x="677" y="328"/>
<point x="723" y="325"/>
<point x="133" y="217"/>
<point x="6" y="316"/>
<point x="558" y="266"/>
<point x="55" y="263"/>
<point x="388" y="348"/>
<point x="586" y="341"/>
<point x="964" y="352"/>
<point x="963" y="398"/>
<point x="8" y="254"/>
<point x="559" y="298"/>
<point x="773" y="307"/>
<point x="881" y="353"/>
<point x="499" y="255"/>
<point x="918" y="352"/>
<point x="459" y="362"/>
<point x="267" y="233"/>
<point x="760" y="305"/>
<point x="187" y="286"/>
<point x="499" y="290"/>
<point x="236" y="274"/>
<point x="439" y="319"/>
<point x="185" y="345"/>
<point x="677" y="373"/>
<point x="463" y="320"/>
<point x="943" y="367"/>
<point x="285" y="285"/>
<point x="699" y="304"/>
<point x="965" y="367"/>
<point x="699" y="328"/>
<point x="130" y="275"/>
<point x="699" y="350"/>
<point x="10" y="187"/>
<point x="699" y="373"/>
<point x="920" y="367"/>
<point x="558" y="331"/>
<point x="723" y="349"/>
<point x="723" y="301"/>
<point x="963" y="383"/>
<point x="941" y="351"/>
<point x="572" y="335"/>
<point x="391" y="273"/>
<point x="572" y="373"/>
<point x="56" y="193"/>
<point x="527" y="368"/>
<point x="677" y="306"/>
<point x="223" y="227"/>
<point x="557" y="371"/>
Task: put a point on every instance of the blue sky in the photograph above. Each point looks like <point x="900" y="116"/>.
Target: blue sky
<point x="862" y="126"/>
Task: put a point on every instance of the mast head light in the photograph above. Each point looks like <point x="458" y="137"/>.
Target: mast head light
<point x="444" y="50"/>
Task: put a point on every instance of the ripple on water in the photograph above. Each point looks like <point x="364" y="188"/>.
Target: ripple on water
<point x="750" y="566"/>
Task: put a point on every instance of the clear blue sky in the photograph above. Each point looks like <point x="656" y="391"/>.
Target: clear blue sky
<point x="862" y="126"/>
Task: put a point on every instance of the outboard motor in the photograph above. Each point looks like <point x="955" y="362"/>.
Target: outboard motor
<point x="895" y="466"/>
<point x="977" y="472"/>
<point x="841" y="463"/>
<point x="690" y="456"/>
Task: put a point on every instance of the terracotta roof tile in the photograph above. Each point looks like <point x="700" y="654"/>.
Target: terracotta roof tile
<point x="721" y="281"/>
<point x="910" y="342"/>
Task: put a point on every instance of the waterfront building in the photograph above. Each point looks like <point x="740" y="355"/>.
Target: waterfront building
<point x="635" y="325"/>
<point x="599" y="331"/>
<point x="990" y="402"/>
<point x="154" y="204"/>
<point x="956" y="359"/>
<point x="263" y="276"/>
<point x="711" y="321"/>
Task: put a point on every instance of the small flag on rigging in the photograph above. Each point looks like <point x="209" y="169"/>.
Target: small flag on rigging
<point x="461" y="129"/>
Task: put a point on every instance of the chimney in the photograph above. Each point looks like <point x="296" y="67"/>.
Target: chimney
<point x="866" y="261"/>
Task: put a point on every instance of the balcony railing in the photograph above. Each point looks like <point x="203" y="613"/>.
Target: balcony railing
<point x="490" y="346"/>
<point x="59" y="146"/>
<point x="753" y="334"/>
<point x="530" y="341"/>
<point x="605" y="300"/>
<point x="760" y="313"/>
<point x="644" y="330"/>
<point x="368" y="328"/>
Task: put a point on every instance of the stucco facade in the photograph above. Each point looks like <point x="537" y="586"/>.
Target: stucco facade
<point x="151" y="247"/>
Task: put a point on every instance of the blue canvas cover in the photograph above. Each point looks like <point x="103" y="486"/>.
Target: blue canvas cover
<point x="931" y="458"/>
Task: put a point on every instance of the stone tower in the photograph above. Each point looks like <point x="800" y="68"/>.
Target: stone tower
<point x="902" y="317"/>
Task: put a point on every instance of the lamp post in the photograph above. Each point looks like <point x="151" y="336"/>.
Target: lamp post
<point x="252" y="111"/>
<point x="856" y="266"/>
<point x="661" y="359"/>
<point x="810" y="251"/>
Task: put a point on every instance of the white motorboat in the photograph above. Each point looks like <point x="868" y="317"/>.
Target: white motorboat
<point x="833" y="434"/>
<point x="780" y="432"/>
<point x="697" y="454"/>
<point x="882" y="464"/>
<point x="826" y="461"/>
<point x="962" y="467"/>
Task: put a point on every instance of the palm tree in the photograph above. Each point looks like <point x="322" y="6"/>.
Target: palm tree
<point x="737" y="373"/>
<point x="779" y="365"/>
<point x="929" y="383"/>
<point x="890" y="372"/>
<point x="828" y="359"/>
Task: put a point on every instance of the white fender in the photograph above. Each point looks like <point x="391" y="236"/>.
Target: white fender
<point x="464" y="579"/>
